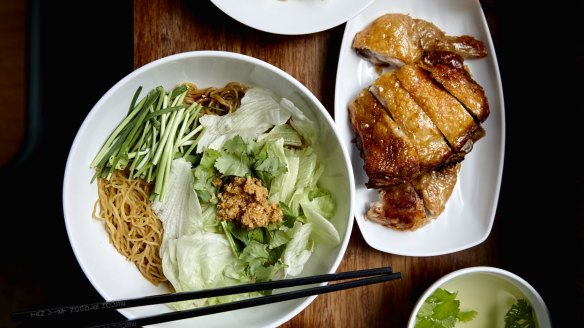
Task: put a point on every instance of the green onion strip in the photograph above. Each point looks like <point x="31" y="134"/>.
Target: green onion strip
<point x="156" y="130"/>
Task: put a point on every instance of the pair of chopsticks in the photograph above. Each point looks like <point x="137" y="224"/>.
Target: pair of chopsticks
<point x="375" y="276"/>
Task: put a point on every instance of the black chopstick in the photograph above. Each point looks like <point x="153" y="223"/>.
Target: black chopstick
<point x="263" y="300"/>
<point x="58" y="312"/>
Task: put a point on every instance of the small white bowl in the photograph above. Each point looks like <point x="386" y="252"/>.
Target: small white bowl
<point x="489" y="291"/>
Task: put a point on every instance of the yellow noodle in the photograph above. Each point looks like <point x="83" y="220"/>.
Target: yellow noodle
<point x="217" y="100"/>
<point x="133" y="227"/>
<point x="124" y="205"/>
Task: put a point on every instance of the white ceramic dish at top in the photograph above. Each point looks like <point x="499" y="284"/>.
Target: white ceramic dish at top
<point x="491" y="292"/>
<point x="116" y="278"/>
<point x="469" y="214"/>
<point x="292" y="17"/>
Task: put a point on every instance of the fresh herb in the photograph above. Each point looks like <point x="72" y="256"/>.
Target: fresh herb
<point x="442" y="310"/>
<point x="156" y="130"/>
<point x="520" y="315"/>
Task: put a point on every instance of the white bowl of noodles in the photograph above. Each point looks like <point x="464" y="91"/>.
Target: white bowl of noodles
<point x="116" y="277"/>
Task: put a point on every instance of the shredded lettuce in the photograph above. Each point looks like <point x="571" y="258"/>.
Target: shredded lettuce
<point x="259" y="111"/>
<point x="324" y="230"/>
<point x="197" y="261"/>
<point x="266" y="138"/>
<point x="181" y="211"/>
<point x="299" y="248"/>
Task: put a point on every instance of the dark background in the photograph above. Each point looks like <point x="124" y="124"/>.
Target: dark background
<point x="76" y="54"/>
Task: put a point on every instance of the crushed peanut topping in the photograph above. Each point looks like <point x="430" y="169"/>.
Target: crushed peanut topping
<point x="245" y="200"/>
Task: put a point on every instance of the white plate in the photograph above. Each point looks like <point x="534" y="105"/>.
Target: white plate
<point x="470" y="211"/>
<point x="292" y="17"/>
<point x="116" y="278"/>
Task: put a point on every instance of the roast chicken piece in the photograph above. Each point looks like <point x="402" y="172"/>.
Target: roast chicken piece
<point x="399" y="207"/>
<point x="436" y="187"/>
<point x="448" y="69"/>
<point x="411" y="205"/>
<point x="432" y="149"/>
<point x="397" y="39"/>
<point x="391" y="39"/>
<point x="389" y="155"/>
<point x="416" y="122"/>
<point x="451" y="118"/>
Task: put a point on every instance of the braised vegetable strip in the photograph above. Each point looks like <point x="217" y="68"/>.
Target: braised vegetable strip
<point x="157" y="129"/>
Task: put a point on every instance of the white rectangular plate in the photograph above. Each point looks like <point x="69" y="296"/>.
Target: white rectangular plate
<point x="470" y="211"/>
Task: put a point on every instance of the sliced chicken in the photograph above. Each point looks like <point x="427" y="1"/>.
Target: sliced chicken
<point x="432" y="38"/>
<point x="448" y="69"/>
<point x="397" y="39"/>
<point x="451" y="118"/>
<point x="390" y="157"/>
<point x="436" y="187"/>
<point x="416" y="122"/>
<point x="391" y="39"/>
<point x="399" y="207"/>
<point x="413" y="120"/>
<point x="412" y="205"/>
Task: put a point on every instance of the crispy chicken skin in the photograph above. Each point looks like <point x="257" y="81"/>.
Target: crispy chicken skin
<point x="448" y="69"/>
<point x="455" y="123"/>
<point x="412" y="205"/>
<point x="389" y="156"/>
<point x="397" y="39"/>
<point x="399" y="207"/>
<point x="436" y="187"/>
<point x="411" y="118"/>
<point x="391" y="39"/>
<point x="433" y="38"/>
<point x="416" y="122"/>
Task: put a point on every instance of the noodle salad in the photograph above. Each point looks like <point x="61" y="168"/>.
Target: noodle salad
<point x="231" y="184"/>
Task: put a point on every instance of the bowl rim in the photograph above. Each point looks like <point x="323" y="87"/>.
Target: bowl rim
<point x="226" y="55"/>
<point x="536" y="301"/>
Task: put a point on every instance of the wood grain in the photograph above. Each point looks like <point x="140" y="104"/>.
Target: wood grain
<point x="166" y="27"/>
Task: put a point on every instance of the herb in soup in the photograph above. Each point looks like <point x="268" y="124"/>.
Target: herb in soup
<point x="520" y="315"/>
<point x="442" y="310"/>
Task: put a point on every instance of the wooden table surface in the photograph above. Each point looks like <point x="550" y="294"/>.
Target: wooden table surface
<point x="166" y="27"/>
<point x="538" y="231"/>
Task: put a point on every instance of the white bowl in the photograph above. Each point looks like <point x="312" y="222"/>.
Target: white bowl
<point x="489" y="291"/>
<point x="116" y="278"/>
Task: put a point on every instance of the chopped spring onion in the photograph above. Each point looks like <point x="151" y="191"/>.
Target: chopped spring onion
<point x="157" y="129"/>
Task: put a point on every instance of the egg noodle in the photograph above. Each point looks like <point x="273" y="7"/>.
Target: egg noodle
<point x="217" y="100"/>
<point x="133" y="227"/>
<point x="125" y="207"/>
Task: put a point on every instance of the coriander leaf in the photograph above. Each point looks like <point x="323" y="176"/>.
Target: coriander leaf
<point x="278" y="238"/>
<point x="236" y="146"/>
<point x="268" y="165"/>
<point x="205" y="174"/>
<point x="520" y="315"/>
<point x="442" y="310"/>
<point x="203" y="185"/>
<point x="230" y="164"/>
<point x="255" y="252"/>
<point x="266" y="273"/>
<point x="447" y="309"/>
<point x="209" y="157"/>
<point x="466" y="316"/>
